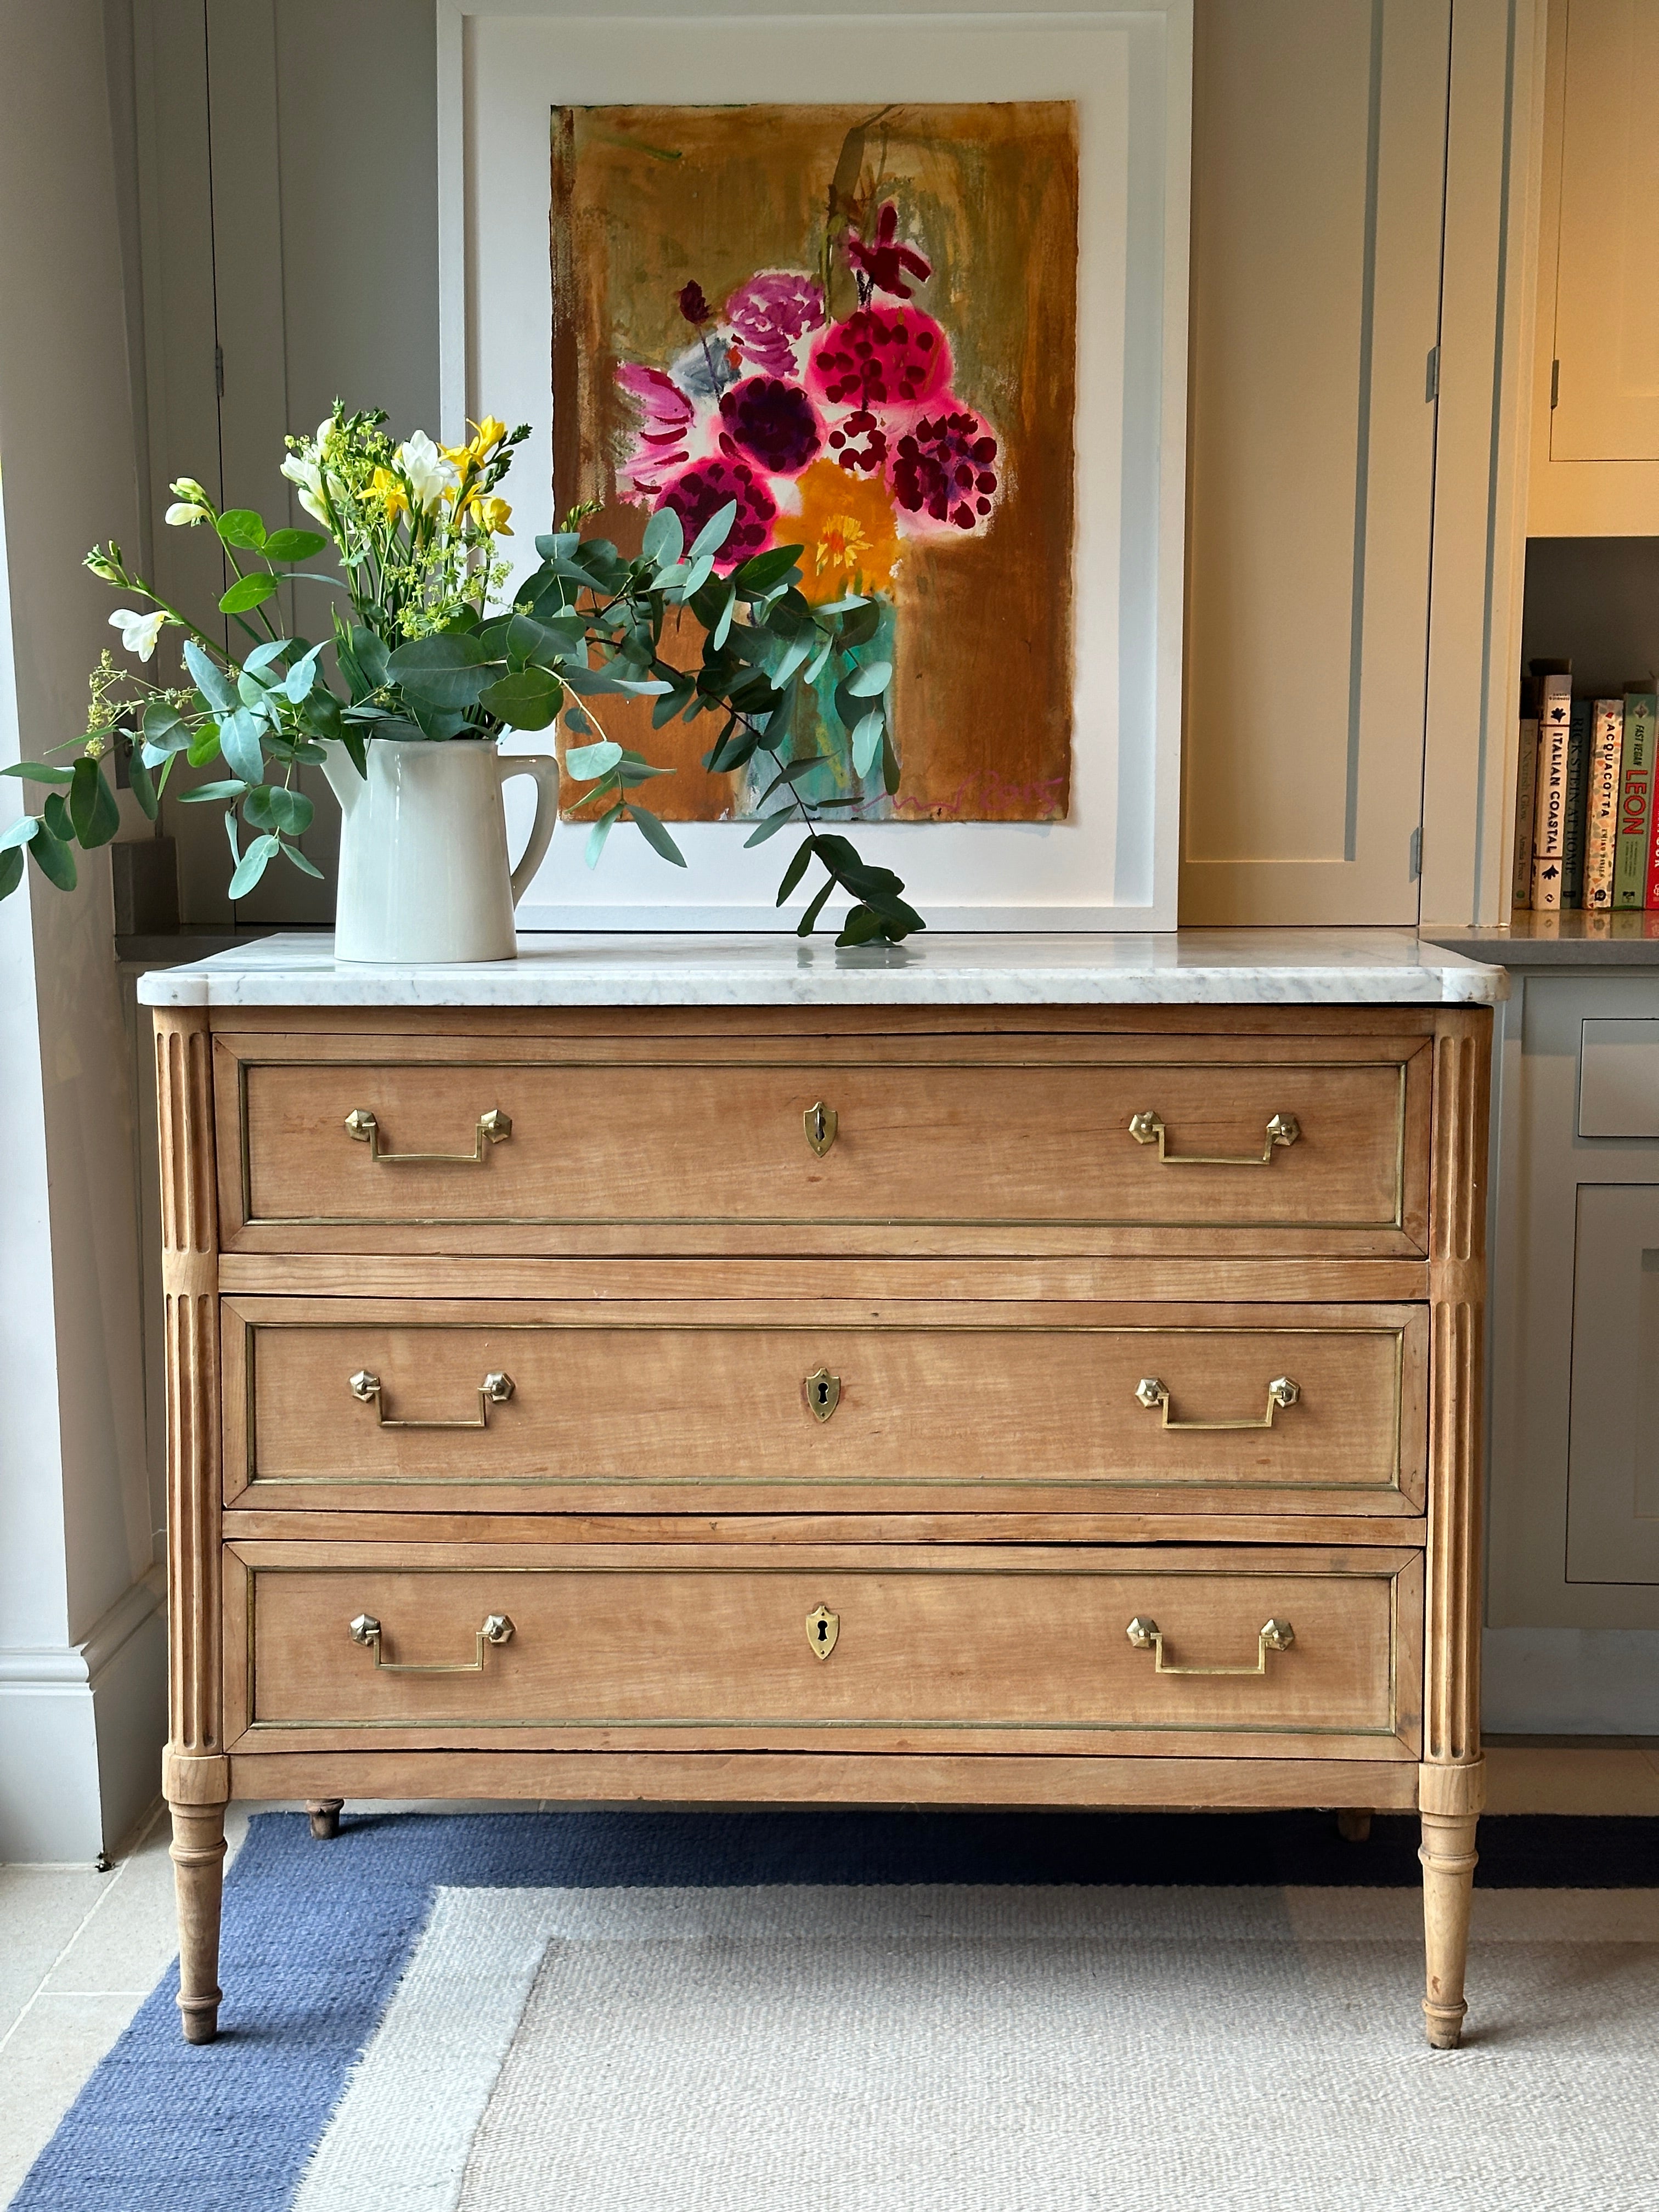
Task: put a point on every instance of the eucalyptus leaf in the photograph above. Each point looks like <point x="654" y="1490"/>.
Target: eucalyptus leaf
<point x="763" y="570"/>
<point x="872" y="680"/>
<point x="450" y="670"/>
<point x="262" y="656"/>
<point x="239" y="741"/>
<point x="92" y="806"/>
<point x="715" y="531"/>
<point x="372" y="657"/>
<point x="53" y="856"/>
<point x="25" y="827"/>
<point x="601" y="829"/>
<point x="592" y="683"/>
<point x="143" y="787"/>
<point x="11" y="870"/>
<point x="38" y="772"/>
<point x="804" y="927"/>
<point x="209" y="679"/>
<point x="769" y="826"/>
<point x="302" y="676"/>
<point x="205" y="793"/>
<point x="800" y="862"/>
<point x="204" y="745"/>
<point x="867" y="742"/>
<point x="165" y="728"/>
<point x="665" y="537"/>
<point x="656" y="835"/>
<point x="55" y="817"/>
<point x="721" y="630"/>
<point x="584" y="761"/>
<point x="268" y="806"/>
<point x="699" y="568"/>
<point x="527" y="700"/>
<point x="293" y="855"/>
<point x="253" y="865"/>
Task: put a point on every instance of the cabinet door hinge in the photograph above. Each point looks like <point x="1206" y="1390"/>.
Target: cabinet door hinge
<point x="1555" y="382"/>
<point x="1415" y="855"/>
<point x="1431" y="375"/>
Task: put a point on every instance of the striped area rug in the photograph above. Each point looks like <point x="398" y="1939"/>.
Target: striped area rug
<point x="888" y="2013"/>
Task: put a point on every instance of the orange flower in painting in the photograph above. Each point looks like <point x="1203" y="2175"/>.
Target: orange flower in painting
<point x="848" y="533"/>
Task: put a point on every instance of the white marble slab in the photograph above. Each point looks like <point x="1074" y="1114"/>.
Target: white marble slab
<point x="1188" y="967"/>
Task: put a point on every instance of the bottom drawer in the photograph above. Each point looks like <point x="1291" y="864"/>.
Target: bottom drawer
<point x="628" y="1647"/>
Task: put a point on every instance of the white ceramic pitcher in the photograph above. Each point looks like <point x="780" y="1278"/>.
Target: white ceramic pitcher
<point x="423" y="867"/>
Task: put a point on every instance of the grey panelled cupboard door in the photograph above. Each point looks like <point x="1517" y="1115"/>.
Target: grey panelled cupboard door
<point x="1319" y="184"/>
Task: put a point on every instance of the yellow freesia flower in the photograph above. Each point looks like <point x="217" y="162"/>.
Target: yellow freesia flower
<point x="491" y="516"/>
<point x="386" y="486"/>
<point x="486" y="436"/>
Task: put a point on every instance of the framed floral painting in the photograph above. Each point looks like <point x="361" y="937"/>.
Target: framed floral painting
<point x="910" y="289"/>
<point x="861" y="325"/>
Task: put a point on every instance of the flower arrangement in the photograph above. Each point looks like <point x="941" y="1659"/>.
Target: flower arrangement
<point x="786" y="453"/>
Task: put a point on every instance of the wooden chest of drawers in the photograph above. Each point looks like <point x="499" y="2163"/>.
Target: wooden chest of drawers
<point x="1054" y="1405"/>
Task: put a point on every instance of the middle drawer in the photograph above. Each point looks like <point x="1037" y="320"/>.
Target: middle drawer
<point x="828" y="1405"/>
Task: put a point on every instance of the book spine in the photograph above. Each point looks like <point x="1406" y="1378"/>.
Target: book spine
<point x="1629" y="858"/>
<point x="1550" y="792"/>
<point x="1601" y="809"/>
<point x="1572" y="836"/>
<point x="1526" y="777"/>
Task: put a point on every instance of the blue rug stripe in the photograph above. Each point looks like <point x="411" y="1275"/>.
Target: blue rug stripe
<point x="317" y="1934"/>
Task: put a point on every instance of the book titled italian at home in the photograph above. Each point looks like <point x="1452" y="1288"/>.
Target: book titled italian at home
<point x="1554" y="679"/>
<point x="1630" y="853"/>
<point x="1526" y="778"/>
<point x="1601" y="802"/>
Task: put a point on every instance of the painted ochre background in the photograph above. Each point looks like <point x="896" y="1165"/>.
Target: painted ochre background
<point x="647" y="198"/>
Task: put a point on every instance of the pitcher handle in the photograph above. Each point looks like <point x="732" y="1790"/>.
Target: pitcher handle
<point x="545" y="769"/>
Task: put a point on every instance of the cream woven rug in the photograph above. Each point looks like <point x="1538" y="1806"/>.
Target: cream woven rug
<point x="1002" y="2050"/>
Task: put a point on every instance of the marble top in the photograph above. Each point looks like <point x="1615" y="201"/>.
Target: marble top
<point x="1187" y="967"/>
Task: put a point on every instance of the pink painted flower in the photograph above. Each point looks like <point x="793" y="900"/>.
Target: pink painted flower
<point x="882" y="262"/>
<point x="769" y="314"/>
<point x="766" y="420"/>
<point x="698" y="494"/>
<point x="881" y="357"/>
<point x="859" y="442"/>
<point x="943" y="468"/>
<point x="661" y="443"/>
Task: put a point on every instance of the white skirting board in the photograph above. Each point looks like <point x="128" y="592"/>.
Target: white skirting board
<point x="82" y="1731"/>
<point x="1571" y="1681"/>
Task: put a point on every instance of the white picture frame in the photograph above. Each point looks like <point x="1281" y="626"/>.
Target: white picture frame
<point x="504" y="65"/>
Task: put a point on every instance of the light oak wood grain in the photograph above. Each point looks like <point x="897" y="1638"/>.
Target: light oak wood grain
<point x="988" y="1405"/>
<point x="1027" y="1651"/>
<point x="686" y="1151"/>
<point x="760" y="1777"/>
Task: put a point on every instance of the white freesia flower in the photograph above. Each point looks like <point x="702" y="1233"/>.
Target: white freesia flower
<point x="301" y="471"/>
<point x="139" y="632"/>
<point x="185" y="513"/>
<point x="187" y="488"/>
<point x="430" y="470"/>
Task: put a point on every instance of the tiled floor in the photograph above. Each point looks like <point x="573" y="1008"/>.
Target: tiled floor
<point x="79" y="1950"/>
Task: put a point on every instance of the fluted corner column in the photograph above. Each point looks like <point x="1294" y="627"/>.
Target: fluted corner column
<point x="1451" y="1783"/>
<point x="195" y="1774"/>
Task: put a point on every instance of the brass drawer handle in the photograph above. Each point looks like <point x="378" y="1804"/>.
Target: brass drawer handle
<point x="1146" y="1636"/>
<point x="494" y="1125"/>
<point x="821" y="1122"/>
<point x="366" y="1631"/>
<point x="1281" y="1391"/>
<point x="1147" y="1129"/>
<point x="494" y="1390"/>
<point x="822" y="1392"/>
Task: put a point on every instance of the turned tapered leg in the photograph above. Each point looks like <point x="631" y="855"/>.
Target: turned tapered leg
<point x="1449" y="1859"/>
<point x="1354" y="1826"/>
<point x="198" y="1872"/>
<point x="324" y="1817"/>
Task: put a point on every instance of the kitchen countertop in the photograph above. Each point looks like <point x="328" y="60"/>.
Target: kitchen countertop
<point x="1188" y="967"/>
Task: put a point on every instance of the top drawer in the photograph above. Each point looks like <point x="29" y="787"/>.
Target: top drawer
<point x="989" y="1144"/>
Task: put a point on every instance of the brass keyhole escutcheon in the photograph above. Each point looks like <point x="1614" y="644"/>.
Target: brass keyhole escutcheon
<point x="820" y="1124"/>
<point x="822" y="1627"/>
<point x="823" y="1391"/>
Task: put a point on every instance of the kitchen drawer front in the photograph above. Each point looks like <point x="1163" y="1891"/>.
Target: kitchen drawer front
<point x="1286" y="1652"/>
<point x="1306" y="1145"/>
<point x="823" y="1406"/>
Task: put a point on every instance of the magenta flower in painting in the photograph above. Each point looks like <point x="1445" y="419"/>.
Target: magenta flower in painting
<point x="698" y="494"/>
<point x="772" y="423"/>
<point x="882" y="262"/>
<point x="943" y="468"/>
<point x="859" y="442"/>
<point x="662" y="442"/>
<point x="881" y="357"/>
<point x="770" y="313"/>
